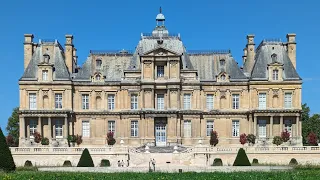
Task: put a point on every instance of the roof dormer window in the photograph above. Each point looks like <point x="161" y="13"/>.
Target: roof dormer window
<point x="46" y="58"/>
<point x="98" y="77"/>
<point x="98" y="64"/>
<point x="222" y="62"/>
<point x="275" y="75"/>
<point x="223" y="77"/>
<point x="274" y="57"/>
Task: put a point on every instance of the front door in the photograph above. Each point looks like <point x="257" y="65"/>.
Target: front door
<point x="161" y="133"/>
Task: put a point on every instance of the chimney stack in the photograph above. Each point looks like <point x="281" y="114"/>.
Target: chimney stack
<point x="28" y="49"/>
<point x="250" y="53"/>
<point x="291" y="48"/>
<point x="69" y="52"/>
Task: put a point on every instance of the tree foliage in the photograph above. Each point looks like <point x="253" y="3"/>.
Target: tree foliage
<point x="6" y="159"/>
<point x="277" y="140"/>
<point x="243" y="138"/>
<point x="110" y="139"/>
<point x="309" y="124"/>
<point x="285" y="136"/>
<point x="313" y="139"/>
<point x="214" y="138"/>
<point x="13" y="126"/>
<point x="251" y="138"/>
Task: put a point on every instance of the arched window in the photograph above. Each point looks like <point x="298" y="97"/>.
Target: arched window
<point x="223" y="77"/>
<point x="222" y="62"/>
<point x="274" y="57"/>
<point x="275" y="74"/>
<point x="98" y="77"/>
<point x="98" y="63"/>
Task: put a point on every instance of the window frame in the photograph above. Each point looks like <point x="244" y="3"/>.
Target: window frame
<point x="262" y="125"/>
<point x="33" y="128"/>
<point x="208" y="103"/>
<point x="98" y="65"/>
<point x="187" y="128"/>
<point x="134" y="101"/>
<point x="111" y="101"/>
<point x="86" y="129"/>
<point x="235" y="101"/>
<point x="45" y="75"/>
<point x="112" y="127"/>
<point x="209" y="129"/>
<point x="57" y="129"/>
<point x="160" y="101"/>
<point x="262" y="104"/>
<point x="160" y="71"/>
<point x="288" y="104"/>
<point x="235" y="128"/>
<point x="33" y="101"/>
<point x="275" y="74"/>
<point x="187" y="102"/>
<point x="85" y="101"/>
<point x="58" y="101"/>
<point x="288" y="126"/>
<point x="134" y="128"/>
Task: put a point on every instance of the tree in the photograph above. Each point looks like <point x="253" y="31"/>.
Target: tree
<point x="243" y="138"/>
<point x="309" y="124"/>
<point x="13" y="126"/>
<point x="313" y="139"/>
<point x="214" y="138"/>
<point x="85" y="159"/>
<point x="241" y="159"/>
<point x="7" y="163"/>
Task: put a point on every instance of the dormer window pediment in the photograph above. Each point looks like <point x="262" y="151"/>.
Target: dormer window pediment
<point x="223" y="77"/>
<point x="98" y="77"/>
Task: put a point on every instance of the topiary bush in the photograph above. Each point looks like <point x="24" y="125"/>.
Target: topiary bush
<point x="67" y="163"/>
<point x="45" y="141"/>
<point x="293" y="162"/>
<point x="7" y="163"/>
<point x="255" y="161"/>
<point x="105" y="163"/>
<point x="241" y="159"/>
<point x="277" y="140"/>
<point x="217" y="162"/>
<point x="28" y="164"/>
<point x="85" y="159"/>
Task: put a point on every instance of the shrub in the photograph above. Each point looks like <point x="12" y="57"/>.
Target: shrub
<point x="105" y="163"/>
<point x="67" y="163"/>
<point x="217" y="162"/>
<point x="85" y="159"/>
<point x="10" y="141"/>
<point x="28" y="164"/>
<point x="285" y="136"/>
<point x="243" y="138"/>
<point x="7" y="163"/>
<point x="241" y="159"/>
<point x="251" y="139"/>
<point x="45" y="141"/>
<point x="255" y="161"/>
<point x="277" y="140"/>
<point x="37" y="137"/>
<point x="214" y="138"/>
<point x="71" y="139"/>
<point x="312" y="139"/>
<point x="293" y="162"/>
<point x="110" y="138"/>
<point x="78" y="139"/>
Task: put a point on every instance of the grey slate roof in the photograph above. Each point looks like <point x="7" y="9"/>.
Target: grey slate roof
<point x="263" y="58"/>
<point x="56" y="58"/>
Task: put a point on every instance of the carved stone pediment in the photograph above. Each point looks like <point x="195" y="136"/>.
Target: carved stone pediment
<point x="160" y="51"/>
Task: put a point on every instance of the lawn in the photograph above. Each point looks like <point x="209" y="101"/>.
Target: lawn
<point x="293" y="174"/>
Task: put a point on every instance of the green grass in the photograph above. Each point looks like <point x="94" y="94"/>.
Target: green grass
<point x="293" y="174"/>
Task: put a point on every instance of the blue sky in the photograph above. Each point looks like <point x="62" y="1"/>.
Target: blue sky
<point x="112" y="25"/>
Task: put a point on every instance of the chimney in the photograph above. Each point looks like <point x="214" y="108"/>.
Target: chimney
<point x="291" y="48"/>
<point x="28" y="49"/>
<point x="244" y="57"/>
<point x="250" y="53"/>
<point x="69" y="52"/>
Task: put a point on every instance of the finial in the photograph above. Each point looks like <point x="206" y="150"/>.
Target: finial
<point x="160" y="10"/>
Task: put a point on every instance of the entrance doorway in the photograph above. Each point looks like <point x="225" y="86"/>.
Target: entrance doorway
<point x="160" y="129"/>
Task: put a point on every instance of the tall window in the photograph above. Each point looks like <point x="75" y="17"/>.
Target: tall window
<point x="45" y="75"/>
<point x="235" y="128"/>
<point x="210" y="127"/>
<point x="33" y="101"/>
<point x="288" y="100"/>
<point x="85" y="129"/>
<point x="262" y="100"/>
<point x="58" y="101"/>
<point x="235" y="101"/>
<point x="134" y="101"/>
<point x="160" y="71"/>
<point x="85" y="101"/>
<point x="58" y="128"/>
<point x="32" y="127"/>
<point x="288" y="126"/>
<point x="262" y="128"/>
<point x="187" y="101"/>
<point x="98" y="64"/>
<point x="187" y="128"/>
<point x="210" y="101"/>
<point x="111" y="101"/>
<point x="112" y="127"/>
<point x="134" y="128"/>
<point x="160" y="101"/>
<point x="275" y="74"/>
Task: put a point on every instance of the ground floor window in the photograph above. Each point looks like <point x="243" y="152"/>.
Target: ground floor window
<point x="288" y="126"/>
<point x="32" y="127"/>
<point x="58" y="129"/>
<point x="262" y="128"/>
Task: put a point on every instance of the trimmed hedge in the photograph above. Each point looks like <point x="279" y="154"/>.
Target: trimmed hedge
<point x="85" y="159"/>
<point x="67" y="163"/>
<point x="241" y="159"/>
<point x="293" y="162"/>
<point x="217" y="162"/>
<point x="105" y="163"/>
<point x="7" y="163"/>
<point x="28" y="163"/>
<point x="255" y="161"/>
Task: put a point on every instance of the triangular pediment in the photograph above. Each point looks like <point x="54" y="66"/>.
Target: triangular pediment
<point x="275" y="63"/>
<point x="223" y="77"/>
<point x="161" y="51"/>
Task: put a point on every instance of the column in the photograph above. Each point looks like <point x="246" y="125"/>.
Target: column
<point x="39" y="127"/>
<point x="271" y="127"/>
<point x="49" y="128"/>
<point x="65" y="127"/>
<point x="297" y="126"/>
<point x="281" y="123"/>
<point x="22" y="128"/>
<point x="255" y="125"/>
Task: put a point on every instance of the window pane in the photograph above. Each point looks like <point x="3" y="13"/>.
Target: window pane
<point x="210" y="127"/>
<point x="134" y="128"/>
<point x="58" y="101"/>
<point x="134" y="101"/>
<point x="187" y="101"/>
<point x="288" y="100"/>
<point x="85" y="129"/>
<point x="288" y="126"/>
<point x="235" y="128"/>
<point x="112" y="127"/>
<point x="45" y="75"/>
<point x="187" y="128"/>
<point x="275" y="74"/>
<point x="33" y="101"/>
<point x="160" y="71"/>
<point x="58" y="128"/>
<point x="160" y="101"/>
<point x="235" y="101"/>
<point x="210" y="101"/>
<point x="111" y="101"/>
<point x="262" y="100"/>
<point x="85" y="101"/>
<point x="262" y="128"/>
<point x="33" y="127"/>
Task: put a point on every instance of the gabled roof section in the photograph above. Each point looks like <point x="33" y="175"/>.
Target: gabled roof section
<point x="57" y="59"/>
<point x="160" y="48"/>
<point x="264" y="57"/>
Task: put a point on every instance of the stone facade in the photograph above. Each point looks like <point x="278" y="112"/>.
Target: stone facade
<point x="160" y="94"/>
